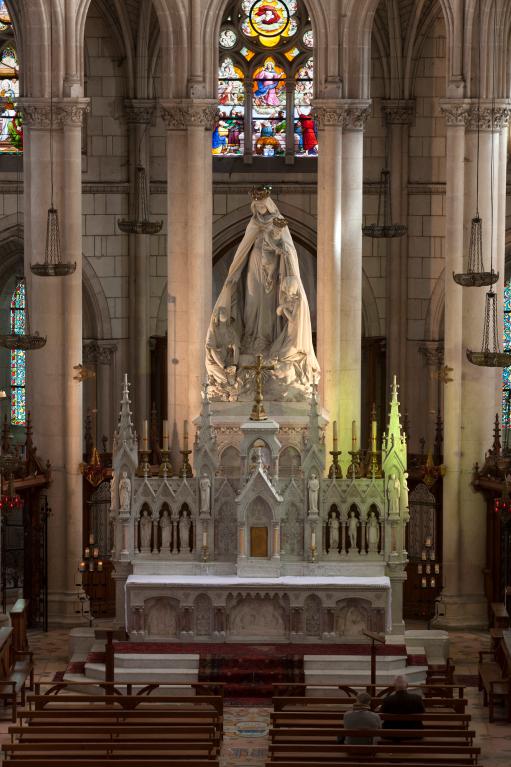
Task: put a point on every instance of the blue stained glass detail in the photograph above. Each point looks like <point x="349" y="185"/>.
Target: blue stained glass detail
<point x="506" y="375"/>
<point x="18" y="359"/>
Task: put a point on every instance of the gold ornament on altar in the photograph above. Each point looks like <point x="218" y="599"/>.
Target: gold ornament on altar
<point x="258" y="412"/>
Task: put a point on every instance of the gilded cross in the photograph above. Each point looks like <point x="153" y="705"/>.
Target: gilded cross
<point x="258" y="412"/>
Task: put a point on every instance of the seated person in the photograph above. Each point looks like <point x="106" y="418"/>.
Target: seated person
<point x="360" y="718"/>
<point x="402" y="702"/>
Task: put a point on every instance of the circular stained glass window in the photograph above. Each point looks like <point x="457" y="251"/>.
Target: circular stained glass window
<point x="308" y="38"/>
<point x="269" y="18"/>
<point x="228" y="38"/>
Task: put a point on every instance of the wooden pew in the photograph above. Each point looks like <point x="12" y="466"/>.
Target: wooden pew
<point x="381" y="690"/>
<point x="280" y="703"/>
<point x="123" y="760"/>
<point x="376" y="754"/>
<point x="67" y="752"/>
<point x="494" y="673"/>
<point x="18" y="615"/>
<point x="128" y="702"/>
<point x="499" y="615"/>
<point x="107" y="732"/>
<point x="15" y="668"/>
<point x="334" y="718"/>
<point x="309" y="735"/>
<point x="122" y="718"/>
<point x="358" y="763"/>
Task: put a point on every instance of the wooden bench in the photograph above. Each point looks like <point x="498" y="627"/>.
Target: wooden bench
<point x="494" y="678"/>
<point x="310" y="735"/>
<point x="351" y="691"/>
<point x="376" y="754"/>
<point x="102" y="762"/>
<point x="99" y="732"/>
<point x="358" y="763"/>
<point x="334" y="718"/>
<point x="499" y="615"/>
<point x="280" y="703"/>
<point x="67" y="752"/>
<point x="128" y="702"/>
<point x="18" y="615"/>
<point x="122" y="718"/>
<point x="15" y="668"/>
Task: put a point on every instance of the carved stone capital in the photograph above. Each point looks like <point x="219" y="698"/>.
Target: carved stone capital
<point x="140" y="111"/>
<point x="471" y="115"/>
<point x="349" y="114"/>
<point x="37" y="113"/>
<point x="433" y="354"/>
<point x="398" y="111"/>
<point x="70" y="111"/>
<point x="180" y="114"/>
<point x="98" y="353"/>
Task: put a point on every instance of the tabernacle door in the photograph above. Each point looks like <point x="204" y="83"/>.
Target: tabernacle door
<point x="259" y="542"/>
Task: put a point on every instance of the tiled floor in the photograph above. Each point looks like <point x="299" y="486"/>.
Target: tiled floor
<point x="245" y="743"/>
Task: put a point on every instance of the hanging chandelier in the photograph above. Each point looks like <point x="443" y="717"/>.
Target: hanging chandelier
<point x="20" y="336"/>
<point x="490" y="355"/>
<point x="140" y="223"/>
<point x="52" y="266"/>
<point x="475" y="276"/>
<point x="384" y="228"/>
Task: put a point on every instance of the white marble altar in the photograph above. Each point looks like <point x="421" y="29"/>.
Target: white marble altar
<point x="259" y="532"/>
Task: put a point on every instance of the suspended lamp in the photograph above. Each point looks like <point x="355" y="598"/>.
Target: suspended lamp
<point x="384" y="228"/>
<point x="20" y="336"/>
<point x="53" y="265"/>
<point x="139" y="223"/>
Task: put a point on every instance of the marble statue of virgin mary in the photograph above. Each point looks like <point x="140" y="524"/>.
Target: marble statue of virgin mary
<point x="262" y="309"/>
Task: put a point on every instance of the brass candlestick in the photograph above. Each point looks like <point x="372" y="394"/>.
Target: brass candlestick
<point x="373" y="466"/>
<point x="186" y="469"/>
<point x="314" y="552"/>
<point x="335" y="471"/>
<point x="165" y="466"/>
<point x="205" y="553"/>
<point x="258" y="412"/>
<point x="144" y="467"/>
<point x="354" y="469"/>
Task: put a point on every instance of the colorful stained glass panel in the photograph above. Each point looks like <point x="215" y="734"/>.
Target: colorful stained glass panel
<point x="5" y="19"/>
<point x="506" y="375"/>
<point x="11" y="131"/>
<point x="228" y="130"/>
<point x="18" y="359"/>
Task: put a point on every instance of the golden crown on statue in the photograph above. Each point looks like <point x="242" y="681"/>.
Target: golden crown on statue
<point x="280" y="222"/>
<point x="260" y="192"/>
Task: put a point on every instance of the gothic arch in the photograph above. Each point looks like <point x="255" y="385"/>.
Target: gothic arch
<point x="95" y="303"/>
<point x="434" y="321"/>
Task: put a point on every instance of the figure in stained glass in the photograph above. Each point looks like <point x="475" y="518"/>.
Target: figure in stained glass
<point x="506" y="373"/>
<point x="18" y="361"/>
<point x="11" y="131"/>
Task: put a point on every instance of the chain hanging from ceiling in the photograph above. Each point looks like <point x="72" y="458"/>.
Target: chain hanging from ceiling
<point x="384" y="228"/>
<point x="139" y="223"/>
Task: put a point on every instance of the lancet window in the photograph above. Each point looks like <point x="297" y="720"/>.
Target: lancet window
<point x="265" y="81"/>
<point x="506" y="375"/>
<point x="18" y="360"/>
<point x="11" y="132"/>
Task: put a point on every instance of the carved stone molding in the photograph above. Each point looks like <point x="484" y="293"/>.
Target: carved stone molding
<point x="349" y="114"/>
<point x="433" y="354"/>
<point x="471" y="115"/>
<point x="37" y="113"/>
<point x="398" y="111"/>
<point x="140" y="111"/>
<point x="98" y="353"/>
<point x="180" y="114"/>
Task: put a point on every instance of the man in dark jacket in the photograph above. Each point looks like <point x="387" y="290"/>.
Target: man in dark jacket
<point x="402" y="702"/>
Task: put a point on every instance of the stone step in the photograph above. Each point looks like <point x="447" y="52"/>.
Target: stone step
<point x="346" y="663"/>
<point x="158" y="661"/>
<point x="362" y="675"/>
<point x="181" y="675"/>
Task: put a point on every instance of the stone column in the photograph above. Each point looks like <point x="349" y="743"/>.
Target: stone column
<point x="189" y="198"/>
<point x="139" y="116"/>
<point x="55" y="397"/>
<point x="466" y="438"/>
<point x="340" y="279"/>
<point x="398" y="115"/>
<point x="99" y="356"/>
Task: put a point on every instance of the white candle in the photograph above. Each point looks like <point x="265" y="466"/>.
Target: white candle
<point x="354" y="435"/>
<point x="185" y="436"/>
<point x="165" y="435"/>
<point x="204" y="538"/>
<point x="335" y="435"/>
<point x="146" y="434"/>
<point x="313" y="538"/>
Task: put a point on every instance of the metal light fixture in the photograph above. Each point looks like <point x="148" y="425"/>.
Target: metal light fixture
<point x="140" y="223"/>
<point x="490" y="355"/>
<point x="52" y="266"/>
<point x="384" y="228"/>
<point x="475" y="276"/>
<point x="26" y="340"/>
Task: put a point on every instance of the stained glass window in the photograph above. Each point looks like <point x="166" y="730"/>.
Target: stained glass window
<point x="11" y="131"/>
<point x="5" y="19"/>
<point x="506" y="375"/>
<point x="269" y="55"/>
<point x="18" y="362"/>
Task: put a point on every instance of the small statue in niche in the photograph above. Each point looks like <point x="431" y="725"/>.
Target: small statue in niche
<point x="113" y="497"/>
<point x="372" y="532"/>
<point x="146" y="527"/>
<point x="313" y="488"/>
<point x="166" y="529"/>
<point x="184" y="531"/>
<point x="352" y="529"/>
<point x="333" y="526"/>
<point x="404" y="492"/>
<point x="205" y="493"/>
<point x="124" y="493"/>
<point x="393" y="495"/>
